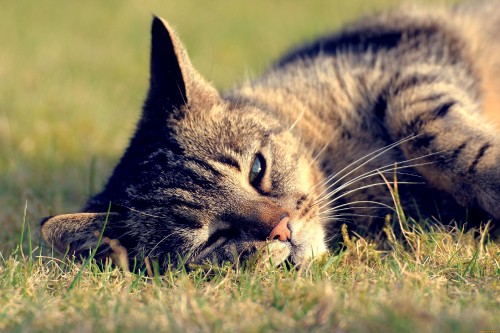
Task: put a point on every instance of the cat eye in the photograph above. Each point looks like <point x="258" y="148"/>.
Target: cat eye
<point x="258" y="170"/>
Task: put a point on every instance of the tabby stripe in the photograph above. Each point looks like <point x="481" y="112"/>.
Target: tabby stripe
<point x="431" y="98"/>
<point x="188" y="204"/>
<point x="423" y="141"/>
<point x="346" y="135"/>
<point x="359" y="41"/>
<point x="177" y="185"/>
<point x="187" y="221"/>
<point x="414" y="126"/>
<point x="228" y="160"/>
<point x="380" y="106"/>
<point x="418" y="122"/>
<point x="442" y="110"/>
<point x="457" y="151"/>
<point x="479" y="156"/>
<point x="234" y="148"/>
<point x="196" y="178"/>
<point x="339" y="77"/>
<point x="144" y="204"/>
<point x="206" y="166"/>
<point x="412" y="81"/>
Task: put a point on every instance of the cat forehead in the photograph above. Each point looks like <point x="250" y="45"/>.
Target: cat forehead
<point x="222" y="125"/>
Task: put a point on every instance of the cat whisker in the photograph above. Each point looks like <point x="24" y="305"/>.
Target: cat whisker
<point x="301" y="114"/>
<point x="140" y="213"/>
<point x="325" y="215"/>
<point x="346" y="205"/>
<point x="369" y="158"/>
<point x="346" y="209"/>
<point x="385" y="169"/>
<point x="337" y="220"/>
<point x="398" y="166"/>
<point x="158" y="243"/>
<point x="334" y="217"/>
<point x="369" y="174"/>
<point x="315" y="158"/>
<point x="207" y="248"/>
<point x="237" y="101"/>
<point x="182" y="96"/>
<point x="363" y="188"/>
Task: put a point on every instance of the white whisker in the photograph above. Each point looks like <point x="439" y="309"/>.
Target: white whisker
<point x="370" y="158"/>
<point x="327" y="212"/>
<point x="385" y="169"/>
<point x="157" y="244"/>
<point x="334" y="217"/>
<point x="400" y="165"/>
<point x="319" y="153"/>
<point x="363" y="202"/>
<point x="301" y="114"/>
<point x="141" y="213"/>
<point x="362" y="188"/>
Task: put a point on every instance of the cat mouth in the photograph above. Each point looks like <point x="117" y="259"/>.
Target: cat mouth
<point x="223" y="244"/>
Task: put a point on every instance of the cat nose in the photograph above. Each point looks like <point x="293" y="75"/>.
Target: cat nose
<point x="281" y="231"/>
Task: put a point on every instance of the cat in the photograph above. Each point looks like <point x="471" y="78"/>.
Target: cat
<point x="401" y="98"/>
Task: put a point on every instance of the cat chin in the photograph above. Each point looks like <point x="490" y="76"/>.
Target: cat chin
<point x="308" y="242"/>
<point x="272" y="253"/>
<point x="306" y="254"/>
<point x="276" y="252"/>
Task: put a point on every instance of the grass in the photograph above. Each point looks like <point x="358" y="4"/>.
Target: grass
<point x="72" y="80"/>
<point x="449" y="285"/>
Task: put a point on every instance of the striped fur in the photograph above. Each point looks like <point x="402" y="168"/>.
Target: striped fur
<point x="408" y="93"/>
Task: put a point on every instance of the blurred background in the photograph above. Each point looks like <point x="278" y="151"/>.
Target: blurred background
<point x="73" y="76"/>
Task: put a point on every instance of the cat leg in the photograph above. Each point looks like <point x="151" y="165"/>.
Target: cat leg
<point x="458" y="151"/>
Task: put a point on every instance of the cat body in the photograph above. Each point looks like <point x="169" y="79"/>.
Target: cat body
<point x="279" y="162"/>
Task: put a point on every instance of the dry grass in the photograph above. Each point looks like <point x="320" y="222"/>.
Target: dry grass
<point x="450" y="285"/>
<point x="72" y="79"/>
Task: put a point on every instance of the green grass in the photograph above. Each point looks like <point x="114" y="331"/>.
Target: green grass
<point x="72" y="79"/>
<point x="450" y="284"/>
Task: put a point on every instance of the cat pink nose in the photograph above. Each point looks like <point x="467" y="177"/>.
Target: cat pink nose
<point x="281" y="231"/>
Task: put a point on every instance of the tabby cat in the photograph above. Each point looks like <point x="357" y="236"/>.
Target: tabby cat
<point x="279" y="162"/>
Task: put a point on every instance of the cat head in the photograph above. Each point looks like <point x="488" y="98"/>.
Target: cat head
<point x="204" y="177"/>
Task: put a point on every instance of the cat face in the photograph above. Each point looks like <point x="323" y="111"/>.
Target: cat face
<point x="204" y="178"/>
<point x="242" y="174"/>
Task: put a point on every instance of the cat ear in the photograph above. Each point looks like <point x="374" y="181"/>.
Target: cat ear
<point x="174" y="82"/>
<point x="76" y="234"/>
